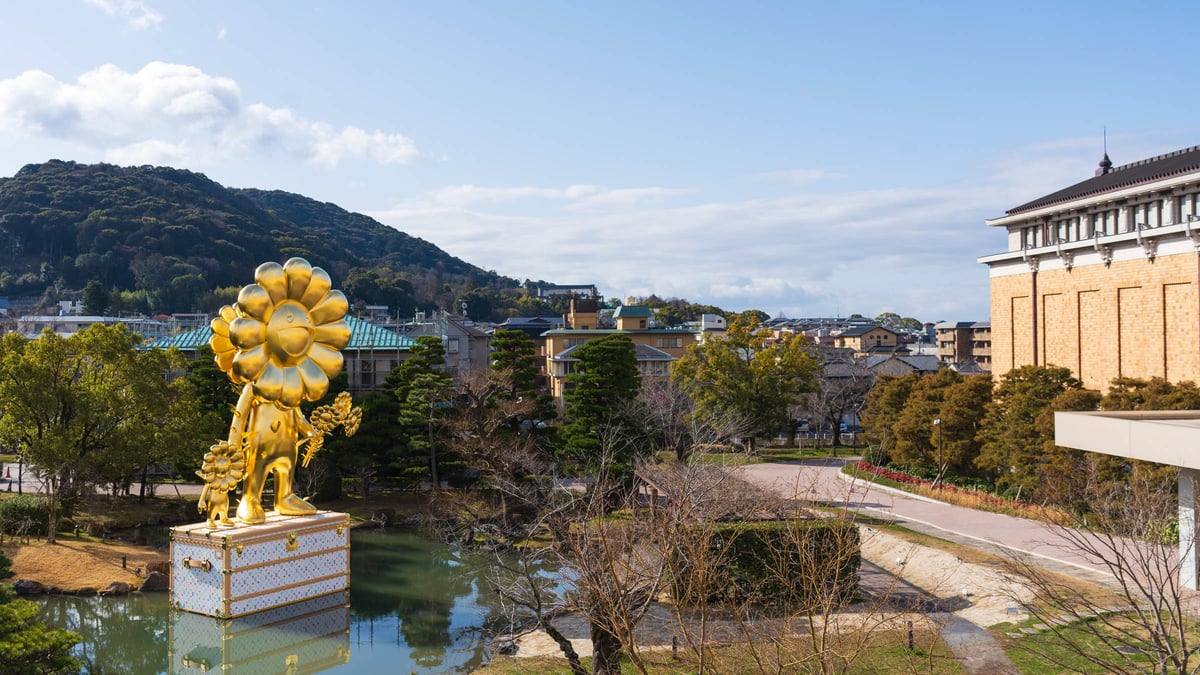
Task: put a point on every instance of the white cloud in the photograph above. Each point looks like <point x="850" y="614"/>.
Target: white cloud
<point x="170" y="105"/>
<point x="912" y="251"/>
<point x="137" y="15"/>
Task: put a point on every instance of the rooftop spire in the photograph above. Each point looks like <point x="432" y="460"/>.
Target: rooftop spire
<point x="1106" y="163"/>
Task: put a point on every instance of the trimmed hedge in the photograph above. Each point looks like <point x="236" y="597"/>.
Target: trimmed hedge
<point x="786" y="565"/>
<point x="14" y="511"/>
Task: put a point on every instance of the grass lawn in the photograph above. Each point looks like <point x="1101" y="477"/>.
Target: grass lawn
<point x="887" y="653"/>
<point x="1064" y="649"/>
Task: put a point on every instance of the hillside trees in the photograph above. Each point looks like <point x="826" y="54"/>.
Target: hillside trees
<point x="749" y="376"/>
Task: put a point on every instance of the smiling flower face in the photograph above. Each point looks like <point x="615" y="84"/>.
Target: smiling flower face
<point x="284" y="334"/>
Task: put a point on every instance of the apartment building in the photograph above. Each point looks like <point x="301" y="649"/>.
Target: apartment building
<point x="965" y="345"/>
<point x="1102" y="276"/>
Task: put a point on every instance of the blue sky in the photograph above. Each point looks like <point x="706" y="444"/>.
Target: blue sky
<point x="799" y="158"/>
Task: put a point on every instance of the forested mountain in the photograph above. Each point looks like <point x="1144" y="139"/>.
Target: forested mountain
<point x="159" y="239"/>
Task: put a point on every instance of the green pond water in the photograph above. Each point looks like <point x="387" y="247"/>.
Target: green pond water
<point x="416" y="606"/>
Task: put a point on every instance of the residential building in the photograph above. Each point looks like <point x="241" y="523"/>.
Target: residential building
<point x="900" y="364"/>
<point x="870" y="339"/>
<point x="467" y="350"/>
<point x="657" y="348"/>
<point x="588" y="291"/>
<point x="1101" y="277"/>
<point x="965" y="346"/>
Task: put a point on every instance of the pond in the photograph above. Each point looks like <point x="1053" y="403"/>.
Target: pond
<point x="416" y="606"/>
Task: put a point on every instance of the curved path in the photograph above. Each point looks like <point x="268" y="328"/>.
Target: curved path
<point x="1007" y="536"/>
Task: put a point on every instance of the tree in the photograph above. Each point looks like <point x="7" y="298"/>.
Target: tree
<point x="514" y="357"/>
<point x="1130" y="532"/>
<point x="424" y="391"/>
<point x="888" y="320"/>
<point x="749" y="376"/>
<point x="916" y="434"/>
<point x="599" y="390"/>
<point x="842" y="386"/>
<point x="960" y="417"/>
<point x="884" y="404"/>
<point x="27" y="647"/>
<point x="95" y="298"/>
<point x="1012" y="448"/>
<point x="909" y="323"/>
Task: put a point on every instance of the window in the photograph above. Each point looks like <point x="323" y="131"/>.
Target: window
<point x="641" y="323"/>
<point x="452" y="346"/>
<point x="669" y="343"/>
<point x="573" y="342"/>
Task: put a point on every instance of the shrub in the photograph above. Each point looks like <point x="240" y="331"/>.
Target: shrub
<point x="805" y="565"/>
<point x="28" y="512"/>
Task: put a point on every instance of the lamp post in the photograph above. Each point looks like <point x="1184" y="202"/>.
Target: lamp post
<point x="937" y="480"/>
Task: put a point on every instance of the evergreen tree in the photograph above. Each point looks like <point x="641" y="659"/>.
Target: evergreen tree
<point x="514" y="356"/>
<point x="884" y="404"/>
<point x="26" y="645"/>
<point x="1012" y="448"/>
<point x="604" y="383"/>
<point x="424" y="393"/>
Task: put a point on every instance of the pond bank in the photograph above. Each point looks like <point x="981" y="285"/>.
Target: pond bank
<point x="78" y="563"/>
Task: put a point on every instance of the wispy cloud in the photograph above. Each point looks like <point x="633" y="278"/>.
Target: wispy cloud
<point x="912" y="251"/>
<point x="137" y="15"/>
<point x="171" y="110"/>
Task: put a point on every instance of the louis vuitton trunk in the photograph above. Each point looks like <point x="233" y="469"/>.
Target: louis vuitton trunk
<point x="227" y="572"/>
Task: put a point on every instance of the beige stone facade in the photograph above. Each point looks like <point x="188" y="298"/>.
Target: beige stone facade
<point x="1103" y="277"/>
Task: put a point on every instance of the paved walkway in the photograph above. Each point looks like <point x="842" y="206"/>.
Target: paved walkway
<point x="1007" y="536"/>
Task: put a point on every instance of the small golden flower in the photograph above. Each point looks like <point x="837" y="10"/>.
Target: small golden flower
<point x="224" y="466"/>
<point x="284" y="334"/>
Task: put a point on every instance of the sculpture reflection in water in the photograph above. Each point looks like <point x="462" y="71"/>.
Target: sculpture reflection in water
<point x="281" y="342"/>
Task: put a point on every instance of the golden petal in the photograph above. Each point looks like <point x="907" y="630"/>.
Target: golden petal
<point x="328" y="360"/>
<point x="336" y="335"/>
<point x="293" y="388"/>
<point x="316" y="382"/>
<point x="254" y="301"/>
<point x="271" y="277"/>
<point x="249" y="365"/>
<point x="269" y="384"/>
<point x="245" y="333"/>
<point x="332" y="308"/>
<point x="298" y="273"/>
<point x="220" y="326"/>
<point x="220" y="343"/>
<point x="318" y="287"/>
<point x="228" y="313"/>
<point x="224" y="360"/>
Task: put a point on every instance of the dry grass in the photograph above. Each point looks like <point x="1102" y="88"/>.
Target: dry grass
<point x="72" y="563"/>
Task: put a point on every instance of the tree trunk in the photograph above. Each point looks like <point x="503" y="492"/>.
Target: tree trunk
<point x="142" y="488"/>
<point x="606" y="652"/>
<point x="564" y="645"/>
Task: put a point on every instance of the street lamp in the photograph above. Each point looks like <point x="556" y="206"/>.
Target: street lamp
<point x="937" y="422"/>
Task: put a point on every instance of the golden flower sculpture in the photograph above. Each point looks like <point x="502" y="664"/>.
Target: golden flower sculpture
<point x="281" y="341"/>
<point x="284" y="333"/>
<point x="326" y="418"/>
<point x="223" y="468"/>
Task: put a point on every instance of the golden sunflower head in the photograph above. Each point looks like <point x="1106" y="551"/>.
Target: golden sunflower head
<point x="284" y="334"/>
<point x="223" y="467"/>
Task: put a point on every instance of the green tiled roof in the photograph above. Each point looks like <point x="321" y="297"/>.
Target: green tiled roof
<point x="636" y="311"/>
<point x="364" y="336"/>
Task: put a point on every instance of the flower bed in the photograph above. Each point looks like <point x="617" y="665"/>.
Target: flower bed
<point x="951" y="494"/>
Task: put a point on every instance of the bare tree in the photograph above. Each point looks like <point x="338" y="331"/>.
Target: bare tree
<point x="1128" y="530"/>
